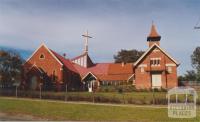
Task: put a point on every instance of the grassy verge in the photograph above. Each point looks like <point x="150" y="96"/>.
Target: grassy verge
<point x="69" y="111"/>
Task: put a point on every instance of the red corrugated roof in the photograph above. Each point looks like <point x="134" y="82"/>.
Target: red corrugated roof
<point x="99" y="68"/>
<point x="119" y="68"/>
<point x="66" y="62"/>
<point x="108" y="71"/>
<point x="103" y="71"/>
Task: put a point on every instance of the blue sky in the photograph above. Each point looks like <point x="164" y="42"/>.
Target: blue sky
<point x="114" y="25"/>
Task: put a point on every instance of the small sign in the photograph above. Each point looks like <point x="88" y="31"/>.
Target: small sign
<point x="16" y="84"/>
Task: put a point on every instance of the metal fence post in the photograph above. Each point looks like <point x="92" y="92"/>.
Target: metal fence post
<point x="40" y="91"/>
<point x="16" y="90"/>
<point x="66" y="93"/>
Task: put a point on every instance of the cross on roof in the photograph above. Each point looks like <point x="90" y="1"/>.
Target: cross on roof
<point x="86" y="36"/>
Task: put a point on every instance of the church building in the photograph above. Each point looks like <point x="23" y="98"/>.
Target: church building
<point x="49" y="70"/>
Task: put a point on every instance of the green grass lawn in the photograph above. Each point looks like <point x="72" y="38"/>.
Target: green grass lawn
<point x="69" y="111"/>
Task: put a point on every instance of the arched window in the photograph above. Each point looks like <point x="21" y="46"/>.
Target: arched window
<point x="42" y="56"/>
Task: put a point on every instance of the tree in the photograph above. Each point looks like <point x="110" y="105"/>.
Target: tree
<point x="127" y="56"/>
<point x="195" y="57"/>
<point x="193" y="75"/>
<point x="10" y="67"/>
<point x="190" y="75"/>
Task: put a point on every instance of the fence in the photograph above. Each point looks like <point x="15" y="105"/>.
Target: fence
<point x="193" y="84"/>
<point x="139" y="98"/>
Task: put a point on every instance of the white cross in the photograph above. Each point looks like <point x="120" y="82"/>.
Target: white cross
<point x="86" y="36"/>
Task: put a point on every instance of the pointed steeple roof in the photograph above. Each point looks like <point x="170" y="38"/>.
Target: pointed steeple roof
<point x="153" y="35"/>
<point x="153" y="32"/>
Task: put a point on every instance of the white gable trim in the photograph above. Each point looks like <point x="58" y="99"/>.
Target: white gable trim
<point x="170" y="65"/>
<point x="150" y="50"/>
<point x="88" y="74"/>
<point x="34" y="65"/>
<point x="130" y="77"/>
<point x="47" y="50"/>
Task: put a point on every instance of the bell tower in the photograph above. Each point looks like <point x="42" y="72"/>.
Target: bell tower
<point x="153" y="37"/>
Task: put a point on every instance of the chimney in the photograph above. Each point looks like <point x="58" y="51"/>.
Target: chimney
<point x="123" y="64"/>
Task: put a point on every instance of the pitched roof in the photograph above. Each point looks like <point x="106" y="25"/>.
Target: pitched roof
<point x="43" y="45"/>
<point x="66" y="62"/>
<point x="77" y="57"/>
<point x="99" y="68"/>
<point x="88" y="59"/>
<point x="119" y="68"/>
<point x="152" y="47"/>
<point x="39" y="71"/>
<point x="153" y="32"/>
<point x="107" y="71"/>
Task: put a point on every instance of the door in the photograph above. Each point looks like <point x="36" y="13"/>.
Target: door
<point x="90" y="85"/>
<point x="156" y="81"/>
<point x="33" y="83"/>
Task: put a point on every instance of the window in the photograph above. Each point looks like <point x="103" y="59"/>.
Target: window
<point x="155" y="61"/>
<point x="42" y="56"/>
<point x="169" y="69"/>
<point x="142" y="69"/>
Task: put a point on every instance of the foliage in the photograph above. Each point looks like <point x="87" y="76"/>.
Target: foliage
<point x="118" y="88"/>
<point x="195" y="57"/>
<point x="127" y="56"/>
<point x="10" y="67"/>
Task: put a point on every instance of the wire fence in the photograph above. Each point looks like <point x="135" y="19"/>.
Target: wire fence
<point x="138" y="98"/>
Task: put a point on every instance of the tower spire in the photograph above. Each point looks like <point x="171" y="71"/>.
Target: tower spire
<point x="86" y="37"/>
<point x="153" y="36"/>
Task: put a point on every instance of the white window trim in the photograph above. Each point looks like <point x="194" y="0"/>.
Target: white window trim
<point x="143" y="65"/>
<point x="170" y="64"/>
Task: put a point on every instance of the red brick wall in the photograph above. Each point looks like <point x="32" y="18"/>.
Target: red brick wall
<point x="48" y="64"/>
<point x="153" y="42"/>
<point x="143" y="80"/>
